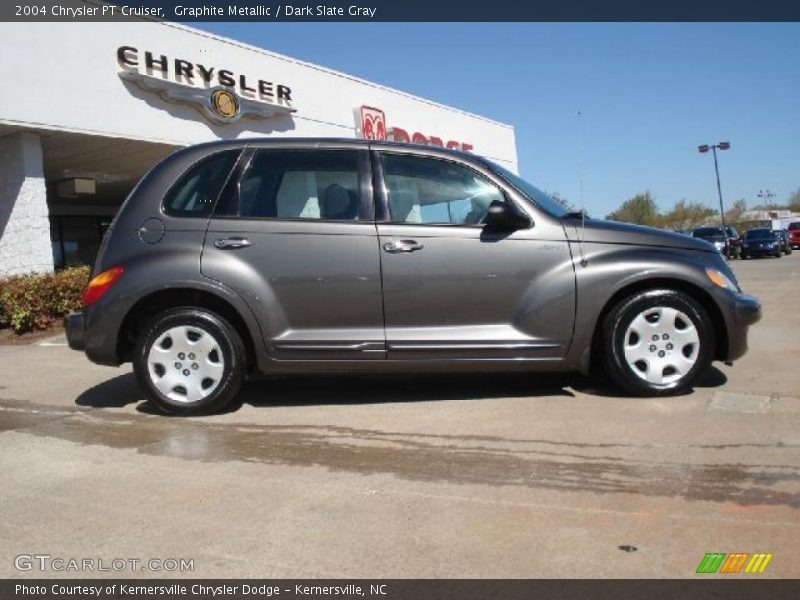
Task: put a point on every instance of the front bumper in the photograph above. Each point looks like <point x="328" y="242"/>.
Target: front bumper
<point x="74" y="326"/>
<point x="746" y="312"/>
<point x="756" y="251"/>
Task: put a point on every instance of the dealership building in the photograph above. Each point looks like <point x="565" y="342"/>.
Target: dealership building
<point x="87" y="109"/>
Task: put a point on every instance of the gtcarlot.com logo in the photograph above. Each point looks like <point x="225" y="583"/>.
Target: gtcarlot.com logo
<point x="47" y="562"/>
<point x="735" y="562"/>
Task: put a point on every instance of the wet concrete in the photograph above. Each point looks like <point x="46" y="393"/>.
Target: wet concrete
<point x="486" y="476"/>
<point x="441" y="458"/>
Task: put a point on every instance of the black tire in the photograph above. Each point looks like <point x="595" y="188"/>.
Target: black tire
<point x="233" y="361"/>
<point x="615" y="327"/>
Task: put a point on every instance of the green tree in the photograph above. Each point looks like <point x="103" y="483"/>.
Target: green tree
<point x="641" y="209"/>
<point x="562" y="201"/>
<point x="686" y="215"/>
<point x="734" y="214"/>
<point x="794" y="201"/>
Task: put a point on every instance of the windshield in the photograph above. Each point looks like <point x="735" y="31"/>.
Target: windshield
<point x="794" y="225"/>
<point x="709" y="233"/>
<point x="542" y="200"/>
<point x="760" y="234"/>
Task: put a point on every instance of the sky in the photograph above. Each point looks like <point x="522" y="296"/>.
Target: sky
<point x="601" y="111"/>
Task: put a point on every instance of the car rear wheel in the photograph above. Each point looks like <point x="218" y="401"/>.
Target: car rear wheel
<point x="190" y="361"/>
<point x="657" y="342"/>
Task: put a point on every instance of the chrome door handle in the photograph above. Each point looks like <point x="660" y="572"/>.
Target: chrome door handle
<point x="232" y="243"/>
<point x="402" y="246"/>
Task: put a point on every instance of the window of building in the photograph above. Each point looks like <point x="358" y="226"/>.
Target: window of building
<point x="432" y="191"/>
<point x="76" y="240"/>
<point x="299" y="184"/>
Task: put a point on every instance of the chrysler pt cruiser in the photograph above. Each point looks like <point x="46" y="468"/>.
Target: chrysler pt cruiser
<point x="275" y="256"/>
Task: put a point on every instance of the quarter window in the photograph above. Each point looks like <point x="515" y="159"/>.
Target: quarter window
<point x="197" y="190"/>
<point x="431" y="191"/>
<point x="300" y="184"/>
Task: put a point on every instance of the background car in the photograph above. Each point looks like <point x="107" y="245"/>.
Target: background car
<point x="794" y="234"/>
<point x="783" y="237"/>
<point x="786" y="245"/>
<point x="734" y="242"/>
<point x="725" y="240"/>
<point x="761" y="241"/>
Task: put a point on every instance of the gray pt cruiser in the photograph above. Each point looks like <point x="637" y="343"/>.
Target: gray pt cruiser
<point x="294" y="256"/>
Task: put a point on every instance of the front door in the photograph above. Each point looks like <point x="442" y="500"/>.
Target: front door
<point x="299" y="245"/>
<point x="455" y="289"/>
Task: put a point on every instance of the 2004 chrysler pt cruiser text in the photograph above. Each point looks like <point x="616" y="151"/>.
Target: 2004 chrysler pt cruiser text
<point x="276" y="256"/>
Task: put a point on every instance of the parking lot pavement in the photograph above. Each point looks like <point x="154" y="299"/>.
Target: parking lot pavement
<point x="435" y="476"/>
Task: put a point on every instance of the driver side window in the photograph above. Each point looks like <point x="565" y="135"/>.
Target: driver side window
<point x="431" y="191"/>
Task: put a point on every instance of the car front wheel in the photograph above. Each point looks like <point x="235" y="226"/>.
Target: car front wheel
<point x="189" y="361"/>
<point x="657" y="342"/>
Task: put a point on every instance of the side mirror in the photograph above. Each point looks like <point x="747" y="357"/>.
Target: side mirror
<point x="506" y="216"/>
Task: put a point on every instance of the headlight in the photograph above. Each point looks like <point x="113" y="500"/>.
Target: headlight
<point x="719" y="279"/>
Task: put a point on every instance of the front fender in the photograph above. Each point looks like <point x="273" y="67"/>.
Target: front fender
<point x="612" y="268"/>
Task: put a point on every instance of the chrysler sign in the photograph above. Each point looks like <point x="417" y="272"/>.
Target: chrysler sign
<point x="220" y="94"/>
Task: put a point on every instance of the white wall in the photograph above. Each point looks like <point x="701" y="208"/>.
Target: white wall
<point x="64" y="76"/>
<point x="24" y="226"/>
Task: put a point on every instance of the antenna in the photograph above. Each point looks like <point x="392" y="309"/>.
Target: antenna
<point x="581" y="234"/>
<point x="581" y="143"/>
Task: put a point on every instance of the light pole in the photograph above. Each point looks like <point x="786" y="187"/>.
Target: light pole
<point x="714" y="147"/>
<point x="765" y="196"/>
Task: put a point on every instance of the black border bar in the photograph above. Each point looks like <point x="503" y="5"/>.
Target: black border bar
<point x="708" y="588"/>
<point x="406" y="10"/>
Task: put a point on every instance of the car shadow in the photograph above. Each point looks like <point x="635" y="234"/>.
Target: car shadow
<point x="112" y="393"/>
<point x="306" y="390"/>
<point x="598" y="384"/>
<point x="314" y="389"/>
<point x="340" y="389"/>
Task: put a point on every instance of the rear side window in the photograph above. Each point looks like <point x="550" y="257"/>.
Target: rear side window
<point x="301" y="184"/>
<point x="197" y="190"/>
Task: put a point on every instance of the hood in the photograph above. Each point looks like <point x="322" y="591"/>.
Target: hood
<point x="613" y="232"/>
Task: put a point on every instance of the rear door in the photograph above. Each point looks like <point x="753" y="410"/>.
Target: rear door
<point x="455" y="289"/>
<point x="295" y="236"/>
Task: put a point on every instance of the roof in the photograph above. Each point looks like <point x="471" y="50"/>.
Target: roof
<point x="325" y="141"/>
